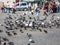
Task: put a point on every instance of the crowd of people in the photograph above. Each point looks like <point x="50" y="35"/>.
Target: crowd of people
<point x="6" y="8"/>
<point x="47" y="6"/>
<point x="51" y="7"/>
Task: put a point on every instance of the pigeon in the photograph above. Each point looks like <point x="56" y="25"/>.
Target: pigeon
<point x="28" y="44"/>
<point x="10" y="17"/>
<point x="34" y="18"/>
<point x="1" y="24"/>
<point x="21" y="31"/>
<point x="40" y="30"/>
<point x="45" y="31"/>
<point x="5" y="39"/>
<point x="50" y="26"/>
<point x="42" y="24"/>
<point x="8" y="27"/>
<point x="14" y="32"/>
<point x="30" y="24"/>
<point x="45" y="13"/>
<point x="4" y="43"/>
<point x="8" y="33"/>
<point x="1" y="30"/>
<point x="11" y="43"/>
<point x="25" y="28"/>
<point x="29" y="35"/>
<point x="30" y="17"/>
<point x="24" y="13"/>
<point x="37" y="27"/>
<point x="31" y="41"/>
<point x="21" y="25"/>
<point x="24" y="19"/>
<point x="15" y="27"/>
<point x="32" y="12"/>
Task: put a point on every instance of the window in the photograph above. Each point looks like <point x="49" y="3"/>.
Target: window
<point x="23" y="4"/>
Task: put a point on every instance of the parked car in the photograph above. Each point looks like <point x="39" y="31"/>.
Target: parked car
<point x="21" y="6"/>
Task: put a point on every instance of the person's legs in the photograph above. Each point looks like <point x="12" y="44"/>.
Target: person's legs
<point x="8" y="10"/>
<point x="52" y="9"/>
<point x="55" y="10"/>
<point x="2" y="10"/>
<point x="45" y="13"/>
<point x="59" y="9"/>
<point x="13" y="11"/>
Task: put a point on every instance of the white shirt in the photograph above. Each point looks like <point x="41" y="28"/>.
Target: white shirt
<point x="8" y="5"/>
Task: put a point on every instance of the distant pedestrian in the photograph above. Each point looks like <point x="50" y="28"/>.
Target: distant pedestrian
<point x="37" y="15"/>
<point x="32" y="12"/>
<point x="53" y="7"/>
<point x="45" y="7"/>
<point x="37" y="9"/>
<point x="29" y="6"/>
<point x="8" y="7"/>
<point x="13" y="7"/>
<point x="59" y="7"/>
<point x="3" y="7"/>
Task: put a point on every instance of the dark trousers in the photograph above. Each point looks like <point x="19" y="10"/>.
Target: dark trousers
<point x="54" y="10"/>
<point x="3" y="10"/>
<point x="13" y="10"/>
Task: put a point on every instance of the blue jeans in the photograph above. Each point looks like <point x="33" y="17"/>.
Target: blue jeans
<point x="8" y="10"/>
<point x="58" y="9"/>
<point x="37" y="16"/>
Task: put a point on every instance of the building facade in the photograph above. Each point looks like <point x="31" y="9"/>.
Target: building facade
<point x="5" y="1"/>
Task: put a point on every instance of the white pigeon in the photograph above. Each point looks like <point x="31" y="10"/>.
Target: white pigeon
<point x="58" y="18"/>
<point x="30" y="24"/>
<point x="30" y="40"/>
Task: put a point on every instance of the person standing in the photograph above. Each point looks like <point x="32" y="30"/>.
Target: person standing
<point x="47" y="4"/>
<point x="3" y="7"/>
<point x="45" y="7"/>
<point x="53" y="6"/>
<point x="29" y="6"/>
<point x="8" y="7"/>
<point x="13" y="7"/>
<point x="59" y="7"/>
<point x="37" y="15"/>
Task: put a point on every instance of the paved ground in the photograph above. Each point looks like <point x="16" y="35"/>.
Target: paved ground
<point x="40" y="38"/>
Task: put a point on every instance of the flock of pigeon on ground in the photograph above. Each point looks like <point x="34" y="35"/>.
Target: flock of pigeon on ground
<point x="21" y="23"/>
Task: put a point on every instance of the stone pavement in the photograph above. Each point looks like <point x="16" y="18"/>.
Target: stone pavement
<point x="40" y="38"/>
